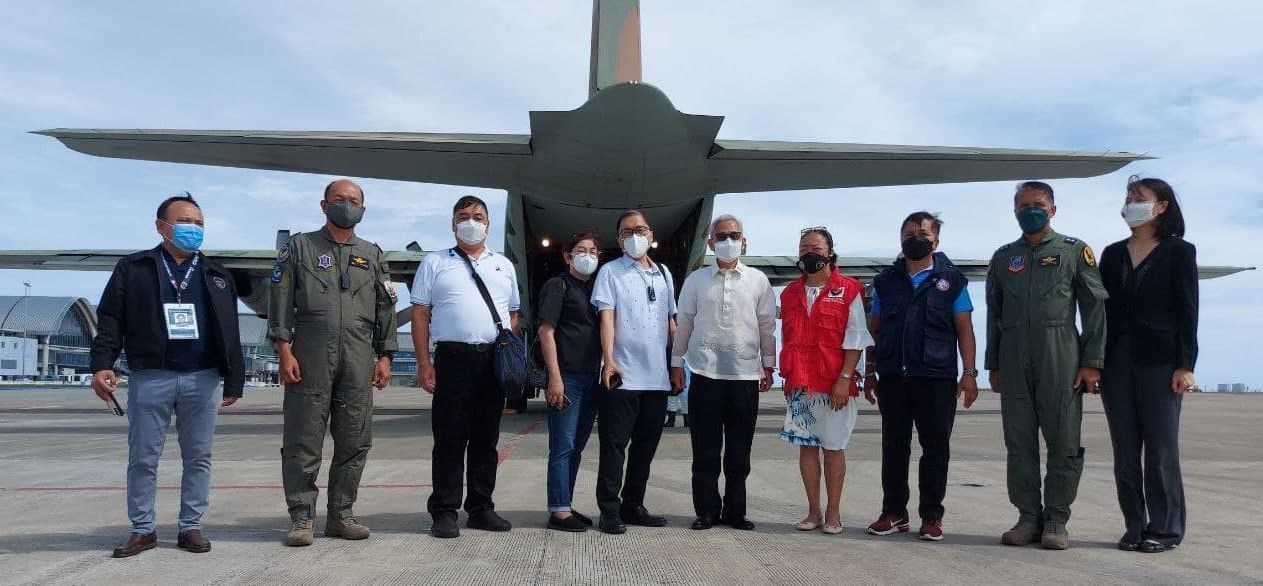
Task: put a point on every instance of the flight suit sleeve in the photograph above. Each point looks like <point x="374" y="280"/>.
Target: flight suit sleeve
<point x="995" y="302"/>
<point x="385" y="334"/>
<point x="1090" y="295"/>
<point x="281" y="295"/>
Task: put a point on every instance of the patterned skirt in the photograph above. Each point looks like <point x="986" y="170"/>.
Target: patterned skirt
<point x="810" y="420"/>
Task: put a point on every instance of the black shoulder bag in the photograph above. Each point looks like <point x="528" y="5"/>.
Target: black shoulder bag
<point x="509" y="355"/>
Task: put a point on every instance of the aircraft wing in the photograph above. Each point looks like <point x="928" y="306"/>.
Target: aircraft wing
<point x="782" y="269"/>
<point x="475" y="160"/>
<point x="741" y="166"/>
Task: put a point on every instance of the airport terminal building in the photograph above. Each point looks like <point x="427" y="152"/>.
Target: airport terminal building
<point x="45" y="337"/>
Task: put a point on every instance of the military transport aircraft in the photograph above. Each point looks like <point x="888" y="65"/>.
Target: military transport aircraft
<point x="626" y="147"/>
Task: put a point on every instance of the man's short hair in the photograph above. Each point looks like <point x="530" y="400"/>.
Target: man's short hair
<point x="618" y="226"/>
<point x="166" y="203"/>
<point x="467" y="201"/>
<point x="725" y="218"/>
<point x="580" y="237"/>
<point x="329" y="187"/>
<point x="919" y="218"/>
<point x="1039" y="186"/>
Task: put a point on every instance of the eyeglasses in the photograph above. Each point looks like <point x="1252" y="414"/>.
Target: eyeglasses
<point x="721" y="236"/>
<point x="638" y="230"/>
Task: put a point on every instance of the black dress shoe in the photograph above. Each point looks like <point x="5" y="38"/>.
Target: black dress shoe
<point x="612" y="525"/>
<point x="571" y="524"/>
<point x="1126" y="544"/>
<point x="192" y="541"/>
<point x="581" y="517"/>
<point x="702" y="524"/>
<point x="639" y="515"/>
<point x="488" y="521"/>
<point x="1151" y="546"/>
<point x="445" y="526"/>
<point x="740" y="524"/>
<point x="136" y="543"/>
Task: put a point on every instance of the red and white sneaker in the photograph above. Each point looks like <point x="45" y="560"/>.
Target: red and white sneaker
<point x="888" y="525"/>
<point x="931" y="530"/>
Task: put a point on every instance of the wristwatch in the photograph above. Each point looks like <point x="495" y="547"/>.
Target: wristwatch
<point x="970" y="372"/>
<point x="845" y="375"/>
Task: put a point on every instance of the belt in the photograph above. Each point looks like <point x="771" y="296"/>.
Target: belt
<point x="462" y="346"/>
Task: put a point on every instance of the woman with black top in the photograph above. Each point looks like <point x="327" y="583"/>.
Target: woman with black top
<point x="570" y="340"/>
<point x="1150" y="352"/>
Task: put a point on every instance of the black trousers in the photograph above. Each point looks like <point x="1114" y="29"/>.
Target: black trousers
<point x="930" y="405"/>
<point x="1144" y="418"/>
<point x="721" y="412"/>
<point x="466" y="422"/>
<point x="625" y="417"/>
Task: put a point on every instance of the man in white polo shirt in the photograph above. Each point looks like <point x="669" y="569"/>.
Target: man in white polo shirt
<point x="727" y="333"/>
<point x="635" y="298"/>
<point x="448" y="308"/>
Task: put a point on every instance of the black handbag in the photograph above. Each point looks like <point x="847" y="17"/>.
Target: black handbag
<point x="509" y="355"/>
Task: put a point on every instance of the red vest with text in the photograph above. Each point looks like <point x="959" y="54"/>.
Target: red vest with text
<point x="811" y="355"/>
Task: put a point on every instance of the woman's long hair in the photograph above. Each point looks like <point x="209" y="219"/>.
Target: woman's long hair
<point x="1171" y="222"/>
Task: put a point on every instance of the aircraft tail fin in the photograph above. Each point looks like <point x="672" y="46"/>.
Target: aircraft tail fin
<point x="615" y="43"/>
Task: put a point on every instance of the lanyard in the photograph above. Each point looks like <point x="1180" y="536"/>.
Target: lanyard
<point x="188" y="275"/>
<point x="648" y="284"/>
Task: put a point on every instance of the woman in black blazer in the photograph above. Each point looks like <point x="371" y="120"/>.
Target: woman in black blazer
<point x="1150" y="352"/>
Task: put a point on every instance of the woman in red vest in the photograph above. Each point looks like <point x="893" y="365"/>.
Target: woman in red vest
<point x="823" y="332"/>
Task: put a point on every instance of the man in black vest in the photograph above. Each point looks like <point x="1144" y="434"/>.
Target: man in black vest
<point x="921" y="315"/>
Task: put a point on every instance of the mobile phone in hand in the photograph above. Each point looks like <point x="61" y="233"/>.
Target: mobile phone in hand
<point x="616" y="382"/>
<point x="116" y="409"/>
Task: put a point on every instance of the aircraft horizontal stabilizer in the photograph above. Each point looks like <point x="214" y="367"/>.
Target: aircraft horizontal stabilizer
<point x="474" y="160"/>
<point x="742" y="166"/>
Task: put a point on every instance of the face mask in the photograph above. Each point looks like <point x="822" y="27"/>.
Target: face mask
<point x="187" y="237"/>
<point x="1032" y="220"/>
<point x="584" y="264"/>
<point x="1138" y="214"/>
<point x="344" y="214"/>
<point x="728" y="250"/>
<point x="636" y="246"/>
<point x="812" y="262"/>
<point x="917" y="247"/>
<point x="471" y="232"/>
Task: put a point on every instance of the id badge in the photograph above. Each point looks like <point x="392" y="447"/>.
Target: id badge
<point x="181" y="321"/>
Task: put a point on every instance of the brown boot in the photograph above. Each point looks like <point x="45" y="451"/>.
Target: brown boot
<point x="137" y="543"/>
<point x="1055" y="536"/>
<point x="348" y="528"/>
<point x="1025" y="532"/>
<point x="301" y="533"/>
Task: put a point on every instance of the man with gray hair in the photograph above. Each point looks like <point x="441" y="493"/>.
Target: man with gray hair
<point x="726" y="324"/>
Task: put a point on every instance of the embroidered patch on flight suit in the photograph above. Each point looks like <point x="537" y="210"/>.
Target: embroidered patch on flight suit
<point x="1052" y="260"/>
<point x="1070" y="240"/>
<point x="324" y="262"/>
<point x="359" y="262"/>
<point x="1017" y="264"/>
<point x="276" y="273"/>
<point x="282" y="255"/>
<point x="1088" y="257"/>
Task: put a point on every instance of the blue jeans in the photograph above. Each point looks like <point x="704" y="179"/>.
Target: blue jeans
<point x="568" y="431"/>
<point x="152" y="396"/>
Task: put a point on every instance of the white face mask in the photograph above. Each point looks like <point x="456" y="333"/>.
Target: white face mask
<point x="471" y="232"/>
<point x="1138" y="213"/>
<point x="636" y="246"/>
<point x="727" y="250"/>
<point x="584" y="264"/>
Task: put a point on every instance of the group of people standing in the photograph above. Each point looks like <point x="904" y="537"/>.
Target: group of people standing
<point x="615" y="342"/>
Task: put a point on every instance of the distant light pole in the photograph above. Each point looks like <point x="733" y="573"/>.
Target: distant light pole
<point x="25" y="317"/>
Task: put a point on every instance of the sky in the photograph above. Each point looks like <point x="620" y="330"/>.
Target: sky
<point x="1177" y="80"/>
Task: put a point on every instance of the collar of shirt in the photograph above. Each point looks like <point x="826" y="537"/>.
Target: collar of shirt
<point x="629" y="262"/>
<point x="324" y="233"/>
<point x="1049" y="237"/>
<point x="739" y="269"/>
<point x="929" y="269"/>
<point x="486" y="253"/>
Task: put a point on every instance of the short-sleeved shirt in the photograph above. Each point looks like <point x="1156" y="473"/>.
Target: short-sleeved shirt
<point x="565" y="302"/>
<point x="457" y="311"/>
<point x="962" y="304"/>
<point x="641" y="329"/>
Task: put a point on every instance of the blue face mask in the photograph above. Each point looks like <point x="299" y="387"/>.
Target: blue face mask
<point x="187" y="237"/>
<point x="1032" y="220"/>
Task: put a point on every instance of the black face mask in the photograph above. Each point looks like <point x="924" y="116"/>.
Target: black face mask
<point x="917" y="247"/>
<point x="812" y="262"/>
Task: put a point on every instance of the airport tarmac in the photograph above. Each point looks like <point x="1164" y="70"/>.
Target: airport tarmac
<point x="62" y="508"/>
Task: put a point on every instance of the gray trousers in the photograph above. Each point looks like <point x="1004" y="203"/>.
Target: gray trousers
<point x="152" y="397"/>
<point x="1144" y="422"/>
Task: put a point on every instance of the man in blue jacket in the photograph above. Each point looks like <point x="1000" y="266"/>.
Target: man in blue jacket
<point x="921" y="317"/>
<point x="174" y="311"/>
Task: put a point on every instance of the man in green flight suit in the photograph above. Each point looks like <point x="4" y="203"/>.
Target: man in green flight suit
<point x="1040" y="364"/>
<point x="331" y="317"/>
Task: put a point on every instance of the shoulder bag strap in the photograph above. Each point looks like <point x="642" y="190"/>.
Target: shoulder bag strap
<point x="482" y="288"/>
